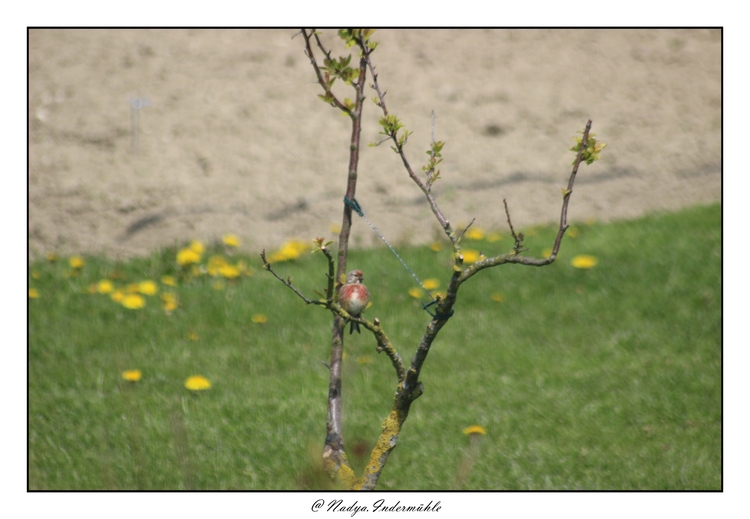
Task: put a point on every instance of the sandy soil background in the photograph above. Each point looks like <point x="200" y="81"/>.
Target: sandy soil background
<point x="234" y="138"/>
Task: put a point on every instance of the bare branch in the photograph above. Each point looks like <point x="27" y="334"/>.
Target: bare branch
<point x="385" y="345"/>
<point x="288" y="282"/>
<point x="507" y="214"/>
<point x="514" y="256"/>
<point x="517" y="238"/>
<point x="569" y="191"/>
<point x="460" y="236"/>
<point x="321" y="47"/>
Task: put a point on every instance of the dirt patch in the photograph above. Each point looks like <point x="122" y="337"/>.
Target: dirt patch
<point x="232" y="137"/>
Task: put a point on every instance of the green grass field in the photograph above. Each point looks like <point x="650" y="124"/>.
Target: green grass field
<point x="599" y="378"/>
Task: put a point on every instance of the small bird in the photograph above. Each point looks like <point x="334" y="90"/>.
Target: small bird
<point x="353" y="297"/>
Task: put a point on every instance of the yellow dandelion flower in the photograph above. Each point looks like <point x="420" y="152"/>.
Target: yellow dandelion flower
<point x="475" y="234"/>
<point x="169" y="302"/>
<point x="104" y="286"/>
<point x="547" y="253"/>
<point x="196" y="247"/>
<point x="35" y="274"/>
<point x="51" y="257"/>
<point x="131" y="288"/>
<point x="132" y="375"/>
<point x="436" y="246"/>
<point x="133" y="301"/>
<point x="197" y="383"/>
<point x="573" y="232"/>
<point x="364" y="359"/>
<point x="335" y="228"/>
<point x="293" y="248"/>
<point x="214" y="265"/>
<point x="229" y="271"/>
<point x="192" y="336"/>
<point x="259" y="319"/>
<point x="76" y="262"/>
<point x="472" y="256"/>
<point x="590" y="220"/>
<point x="187" y="257"/>
<point x="496" y="297"/>
<point x="301" y="246"/>
<point x="415" y="292"/>
<point x="475" y="429"/>
<point x="148" y="288"/>
<point x="169" y="281"/>
<point x="33" y="293"/>
<point x="277" y="257"/>
<point x="431" y="283"/>
<point x="231" y="240"/>
<point x="117" y="296"/>
<point x="583" y="261"/>
<point x="91" y="289"/>
<point x="494" y="237"/>
<point x="290" y="250"/>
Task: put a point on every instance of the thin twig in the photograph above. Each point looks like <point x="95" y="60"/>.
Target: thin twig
<point x="321" y="47"/>
<point x="460" y="236"/>
<point x="517" y="238"/>
<point x="288" y="282"/>
<point x="432" y="134"/>
<point x="507" y="213"/>
<point x="569" y="191"/>
<point x="445" y="224"/>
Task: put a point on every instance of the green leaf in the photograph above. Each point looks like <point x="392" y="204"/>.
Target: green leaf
<point x="348" y="35"/>
<point x="390" y="124"/>
<point x="591" y="153"/>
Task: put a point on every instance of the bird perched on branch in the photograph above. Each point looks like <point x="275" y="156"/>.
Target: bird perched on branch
<point x="353" y="297"/>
